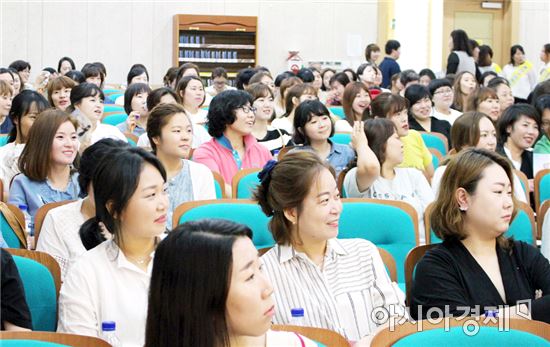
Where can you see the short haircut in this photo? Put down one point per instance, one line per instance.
(511, 115)
(485, 75)
(153, 99)
(92, 70)
(221, 112)
(219, 72)
(9, 71)
(158, 118)
(362, 68)
(427, 72)
(465, 130)
(461, 41)
(67, 59)
(182, 85)
(513, 51)
(283, 76)
(259, 90)
(286, 186)
(478, 96)
(136, 70)
(391, 45)
(408, 76)
(438, 83)
(485, 56)
(388, 104)
(133, 90)
(82, 91)
(378, 131)
(340, 77)
(464, 170)
(258, 76)
(184, 67)
(20, 65)
(306, 75)
(373, 47)
(243, 77)
(495, 82)
(58, 83)
(92, 156)
(21, 106)
(76, 76)
(303, 114)
(35, 160)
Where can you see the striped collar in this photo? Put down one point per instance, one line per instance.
(288, 252)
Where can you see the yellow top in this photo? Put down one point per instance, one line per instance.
(415, 152)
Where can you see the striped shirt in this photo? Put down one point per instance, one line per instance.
(342, 295)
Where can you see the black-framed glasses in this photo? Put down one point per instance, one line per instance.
(247, 109)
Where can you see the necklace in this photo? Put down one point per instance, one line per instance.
(139, 261)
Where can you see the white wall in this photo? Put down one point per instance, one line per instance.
(534, 17)
(121, 33)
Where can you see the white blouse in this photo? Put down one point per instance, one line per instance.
(9, 161)
(103, 285)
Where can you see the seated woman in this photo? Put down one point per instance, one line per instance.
(6, 96)
(137, 74)
(420, 112)
(59, 92)
(337, 83)
(25, 108)
(543, 107)
(356, 104)
(518, 130)
(59, 235)
(170, 133)
(476, 269)
(485, 100)
(338, 283)
(386, 180)
(87, 107)
(416, 154)
(473, 129)
(232, 147)
(111, 281)
(191, 92)
(233, 308)
(441, 92)
(294, 96)
(501, 86)
(464, 84)
(46, 163)
(15, 313)
(269, 136)
(135, 106)
(314, 126)
(287, 81)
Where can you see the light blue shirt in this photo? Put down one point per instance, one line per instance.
(34, 194)
(339, 157)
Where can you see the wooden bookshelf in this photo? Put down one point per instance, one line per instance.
(213, 41)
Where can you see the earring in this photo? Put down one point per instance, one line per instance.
(463, 209)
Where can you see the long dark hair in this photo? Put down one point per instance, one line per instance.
(190, 284)
(21, 106)
(115, 180)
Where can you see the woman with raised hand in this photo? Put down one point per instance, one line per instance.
(135, 106)
(356, 105)
(170, 133)
(110, 282)
(338, 283)
(46, 163)
(386, 180)
(190, 307)
(477, 271)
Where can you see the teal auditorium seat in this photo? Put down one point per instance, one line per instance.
(337, 111)
(40, 293)
(391, 225)
(8, 233)
(486, 336)
(542, 187)
(115, 119)
(113, 108)
(3, 140)
(343, 138)
(29, 343)
(243, 211)
(244, 183)
(432, 140)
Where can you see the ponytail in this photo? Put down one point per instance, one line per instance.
(90, 234)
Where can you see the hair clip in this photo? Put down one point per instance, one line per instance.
(265, 174)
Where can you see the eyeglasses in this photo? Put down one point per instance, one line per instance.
(444, 91)
(247, 109)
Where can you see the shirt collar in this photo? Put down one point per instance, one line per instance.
(224, 141)
(288, 252)
(333, 149)
(119, 259)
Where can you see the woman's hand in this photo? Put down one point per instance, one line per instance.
(358, 137)
(131, 121)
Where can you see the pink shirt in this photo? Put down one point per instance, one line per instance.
(220, 159)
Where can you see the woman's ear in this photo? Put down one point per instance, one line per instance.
(295, 101)
(156, 140)
(291, 214)
(463, 199)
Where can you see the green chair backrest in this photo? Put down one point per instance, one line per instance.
(40, 293)
(9, 234)
(520, 228)
(3, 140)
(485, 336)
(115, 119)
(337, 111)
(113, 108)
(433, 141)
(247, 184)
(343, 138)
(544, 188)
(111, 91)
(386, 226)
(29, 343)
(218, 190)
(248, 214)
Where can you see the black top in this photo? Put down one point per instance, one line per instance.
(449, 275)
(438, 125)
(526, 161)
(14, 305)
(275, 139)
